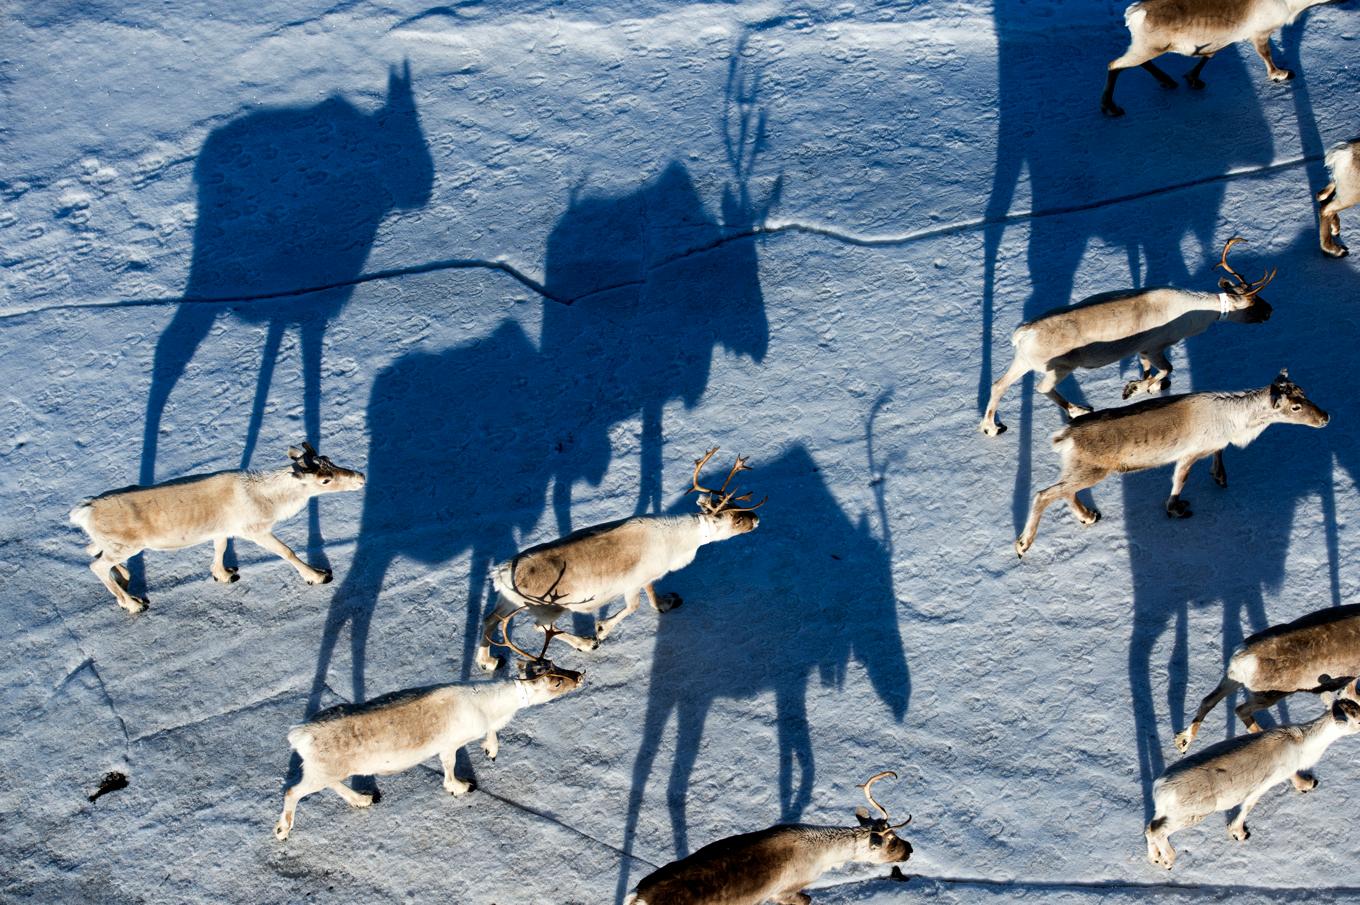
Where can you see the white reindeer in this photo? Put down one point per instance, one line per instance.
(776, 863)
(1181, 429)
(1196, 28)
(588, 568)
(1319, 652)
(1239, 771)
(1343, 164)
(1112, 326)
(199, 508)
(397, 731)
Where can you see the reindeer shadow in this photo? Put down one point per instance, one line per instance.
(1050, 129)
(289, 203)
(642, 287)
(1177, 567)
(816, 591)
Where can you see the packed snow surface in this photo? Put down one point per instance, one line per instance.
(522, 285)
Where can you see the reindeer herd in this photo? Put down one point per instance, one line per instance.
(588, 569)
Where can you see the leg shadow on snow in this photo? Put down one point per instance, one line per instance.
(809, 592)
(643, 288)
(289, 202)
(1053, 141)
(1233, 552)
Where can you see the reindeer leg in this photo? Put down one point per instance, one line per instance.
(1192, 77)
(576, 641)
(605, 627)
(1162, 78)
(990, 426)
(1329, 227)
(665, 603)
(1175, 506)
(104, 567)
(220, 570)
(268, 541)
(1217, 471)
(1048, 386)
(1259, 700)
(1262, 43)
(352, 798)
(452, 784)
(1237, 830)
(491, 745)
(301, 789)
(1225, 688)
(1066, 488)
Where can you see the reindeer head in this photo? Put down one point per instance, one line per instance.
(717, 506)
(1244, 304)
(1344, 706)
(881, 843)
(544, 679)
(1291, 406)
(320, 473)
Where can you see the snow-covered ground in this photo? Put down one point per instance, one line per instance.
(802, 232)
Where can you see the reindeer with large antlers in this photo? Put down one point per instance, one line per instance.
(775, 864)
(1106, 328)
(399, 730)
(588, 568)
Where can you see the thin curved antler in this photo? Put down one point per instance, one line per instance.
(1250, 289)
(549, 633)
(868, 785)
(724, 498)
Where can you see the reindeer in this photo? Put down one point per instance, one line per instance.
(588, 568)
(198, 508)
(1181, 429)
(397, 731)
(1343, 164)
(1238, 771)
(1114, 325)
(775, 864)
(1194, 28)
(1319, 652)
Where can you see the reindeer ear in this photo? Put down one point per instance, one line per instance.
(1283, 376)
(295, 453)
(1225, 284)
(862, 815)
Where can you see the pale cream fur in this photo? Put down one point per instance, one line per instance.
(587, 569)
(201, 508)
(1110, 327)
(1317, 652)
(1343, 164)
(1179, 429)
(400, 730)
(1200, 28)
(1237, 772)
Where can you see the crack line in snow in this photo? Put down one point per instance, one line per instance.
(88, 662)
(252, 705)
(754, 232)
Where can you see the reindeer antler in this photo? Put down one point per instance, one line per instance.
(1250, 288)
(549, 633)
(724, 499)
(868, 784)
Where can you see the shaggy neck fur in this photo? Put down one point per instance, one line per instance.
(286, 492)
(1243, 416)
(835, 845)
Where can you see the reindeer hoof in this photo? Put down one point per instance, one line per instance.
(992, 430)
(667, 602)
(281, 830)
(1195, 82)
(1130, 388)
(1020, 548)
(1221, 480)
(490, 664)
(1110, 108)
(1088, 522)
(324, 579)
(1183, 741)
(1340, 251)
(1239, 833)
(1282, 75)
(1305, 782)
(135, 605)
(1178, 509)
